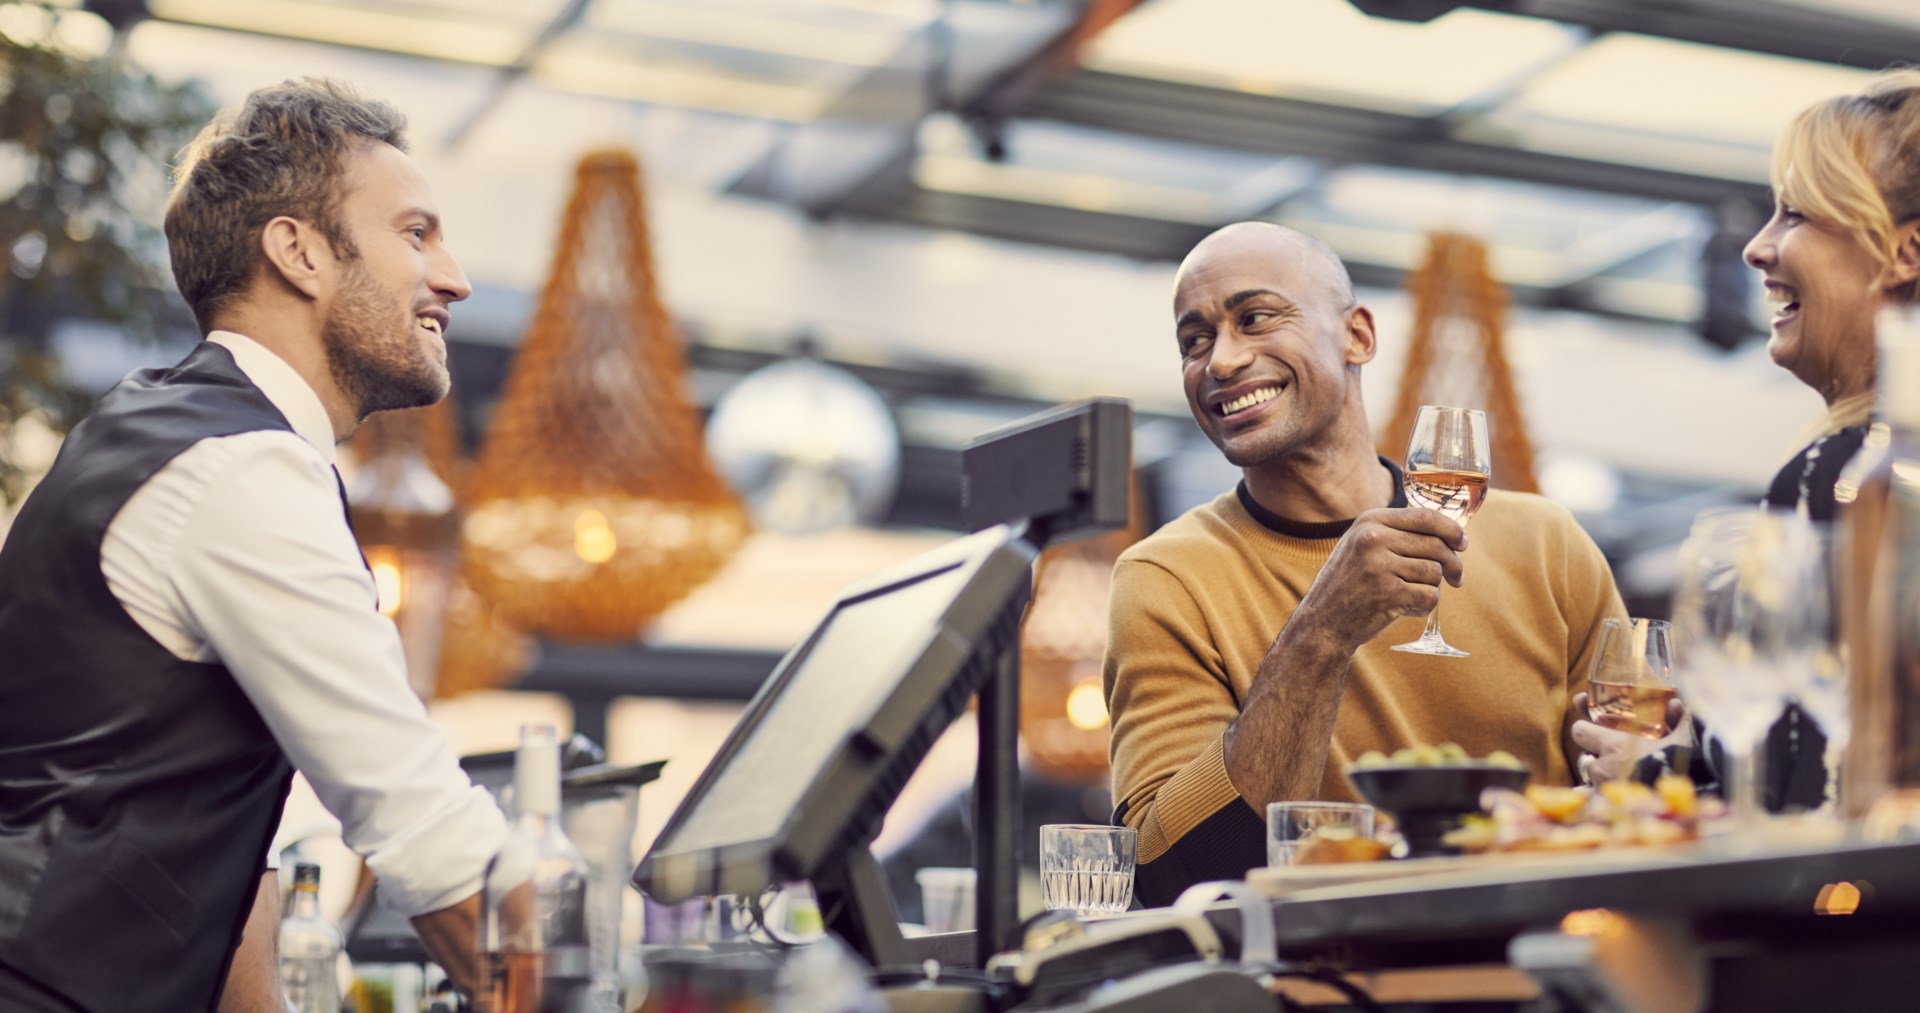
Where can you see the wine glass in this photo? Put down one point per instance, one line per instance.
(1449, 462)
(1744, 614)
(1806, 640)
(1630, 683)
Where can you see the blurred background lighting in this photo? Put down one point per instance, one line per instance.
(1087, 706)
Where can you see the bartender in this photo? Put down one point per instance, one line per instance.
(185, 617)
(1248, 660)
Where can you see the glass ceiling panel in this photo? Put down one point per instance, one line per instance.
(469, 31)
(825, 32)
(1541, 236)
(1108, 172)
(1680, 105)
(1524, 215)
(1326, 50)
(1893, 12)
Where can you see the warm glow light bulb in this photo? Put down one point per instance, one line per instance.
(1087, 707)
(389, 581)
(593, 538)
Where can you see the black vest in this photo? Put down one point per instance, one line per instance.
(138, 792)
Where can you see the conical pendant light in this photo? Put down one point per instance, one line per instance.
(1458, 356)
(405, 487)
(593, 505)
(1063, 706)
(403, 516)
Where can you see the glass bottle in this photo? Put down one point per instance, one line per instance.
(533, 935)
(1879, 558)
(309, 948)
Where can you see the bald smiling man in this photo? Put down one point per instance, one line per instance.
(1249, 658)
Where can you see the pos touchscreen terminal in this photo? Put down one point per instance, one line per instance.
(799, 788)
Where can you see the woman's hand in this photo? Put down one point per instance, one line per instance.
(1609, 754)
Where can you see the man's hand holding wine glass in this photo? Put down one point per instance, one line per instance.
(1389, 564)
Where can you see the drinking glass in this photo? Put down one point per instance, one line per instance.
(1745, 617)
(1630, 682)
(946, 898)
(1820, 682)
(1086, 868)
(1291, 824)
(1449, 463)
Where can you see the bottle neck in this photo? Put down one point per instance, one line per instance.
(306, 902)
(536, 779)
(536, 823)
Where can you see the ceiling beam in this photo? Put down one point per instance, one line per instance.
(1757, 26)
(824, 166)
(1346, 135)
(898, 200)
(563, 22)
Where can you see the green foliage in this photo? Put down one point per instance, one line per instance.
(85, 144)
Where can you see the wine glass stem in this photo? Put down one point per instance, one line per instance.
(1743, 789)
(1432, 630)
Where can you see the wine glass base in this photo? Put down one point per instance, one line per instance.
(1434, 646)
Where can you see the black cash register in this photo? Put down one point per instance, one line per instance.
(800, 787)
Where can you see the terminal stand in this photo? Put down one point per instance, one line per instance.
(996, 822)
(856, 906)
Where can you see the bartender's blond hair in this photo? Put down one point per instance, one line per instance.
(1853, 161)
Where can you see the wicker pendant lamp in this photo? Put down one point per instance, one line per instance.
(593, 505)
(405, 492)
(1063, 705)
(1457, 356)
(403, 516)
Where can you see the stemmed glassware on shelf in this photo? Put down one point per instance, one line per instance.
(1449, 465)
(1751, 619)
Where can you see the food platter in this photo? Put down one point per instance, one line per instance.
(1279, 881)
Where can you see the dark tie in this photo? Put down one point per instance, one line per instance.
(347, 508)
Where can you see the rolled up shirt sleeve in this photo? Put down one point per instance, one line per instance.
(267, 570)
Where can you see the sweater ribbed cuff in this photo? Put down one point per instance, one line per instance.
(1197, 791)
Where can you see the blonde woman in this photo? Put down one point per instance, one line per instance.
(1843, 242)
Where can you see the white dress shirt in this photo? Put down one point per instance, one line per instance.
(238, 551)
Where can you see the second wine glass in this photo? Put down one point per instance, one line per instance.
(1630, 684)
(1449, 465)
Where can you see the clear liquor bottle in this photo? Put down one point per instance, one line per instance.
(309, 948)
(533, 933)
(1879, 562)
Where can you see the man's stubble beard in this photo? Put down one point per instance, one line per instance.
(1273, 443)
(372, 352)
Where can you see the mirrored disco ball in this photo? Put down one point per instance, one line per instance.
(808, 446)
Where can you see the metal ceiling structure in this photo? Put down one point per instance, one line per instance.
(1597, 145)
(930, 112)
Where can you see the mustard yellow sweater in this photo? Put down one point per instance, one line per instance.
(1196, 605)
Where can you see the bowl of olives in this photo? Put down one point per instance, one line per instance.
(1429, 790)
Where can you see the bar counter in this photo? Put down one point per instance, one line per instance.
(1747, 925)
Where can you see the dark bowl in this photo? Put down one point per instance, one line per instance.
(1427, 802)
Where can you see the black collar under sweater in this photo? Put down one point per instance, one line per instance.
(1312, 529)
